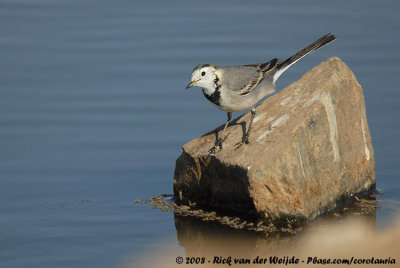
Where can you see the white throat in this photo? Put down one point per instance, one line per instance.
(208, 86)
(208, 90)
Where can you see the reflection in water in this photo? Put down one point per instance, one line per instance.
(351, 235)
(200, 238)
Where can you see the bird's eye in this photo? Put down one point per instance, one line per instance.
(203, 73)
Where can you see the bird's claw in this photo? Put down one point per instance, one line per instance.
(245, 140)
(218, 146)
(214, 150)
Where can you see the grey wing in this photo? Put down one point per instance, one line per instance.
(241, 79)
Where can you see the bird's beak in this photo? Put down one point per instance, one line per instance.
(192, 83)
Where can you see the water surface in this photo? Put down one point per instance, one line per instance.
(93, 111)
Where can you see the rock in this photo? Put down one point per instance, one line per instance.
(310, 150)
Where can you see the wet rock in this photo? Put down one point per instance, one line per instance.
(310, 150)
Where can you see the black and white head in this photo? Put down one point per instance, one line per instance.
(204, 76)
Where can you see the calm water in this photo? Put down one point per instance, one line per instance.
(93, 111)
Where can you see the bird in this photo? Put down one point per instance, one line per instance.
(238, 88)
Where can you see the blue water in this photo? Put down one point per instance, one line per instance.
(93, 111)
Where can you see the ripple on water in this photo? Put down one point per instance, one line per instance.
(76, 203)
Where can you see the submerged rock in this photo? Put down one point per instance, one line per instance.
(310, 149)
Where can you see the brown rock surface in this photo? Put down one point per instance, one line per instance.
(310, 149)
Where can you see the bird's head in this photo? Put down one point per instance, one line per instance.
(203, 76)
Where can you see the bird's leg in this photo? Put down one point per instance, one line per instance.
(253, 114)
(219, 142)
(245, 138)
(222, 138)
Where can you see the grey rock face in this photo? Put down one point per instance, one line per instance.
(310, 149)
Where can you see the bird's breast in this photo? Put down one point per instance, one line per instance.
(213, 97)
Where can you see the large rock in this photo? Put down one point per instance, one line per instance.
(310, 149)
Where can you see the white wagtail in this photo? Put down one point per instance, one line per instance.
(238, 88)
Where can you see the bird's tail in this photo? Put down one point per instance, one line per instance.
(284, 65)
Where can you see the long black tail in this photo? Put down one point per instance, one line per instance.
(284, 65)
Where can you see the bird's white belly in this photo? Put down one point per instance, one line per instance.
(235, 105)
(238, 103)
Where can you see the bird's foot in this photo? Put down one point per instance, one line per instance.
(245, 140)
(218, 146)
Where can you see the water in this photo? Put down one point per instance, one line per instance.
(93, 111)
